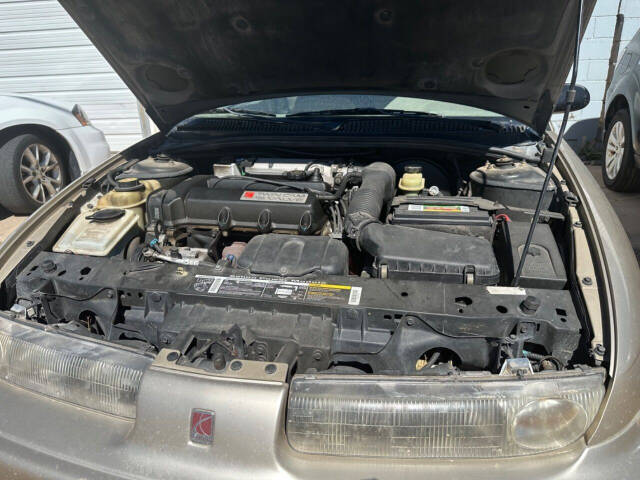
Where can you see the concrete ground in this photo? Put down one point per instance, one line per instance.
(627, 205)
(7, 223)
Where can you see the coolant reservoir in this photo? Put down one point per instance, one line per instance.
(130, 194)
(116, 218)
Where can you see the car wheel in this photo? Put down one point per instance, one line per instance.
(31, 172)
(619, 170)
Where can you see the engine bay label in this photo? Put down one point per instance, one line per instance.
(278, 289)
(439, 208)
(282, 197)
(506, 290)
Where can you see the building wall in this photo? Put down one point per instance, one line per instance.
(43, 52)
(594, 63)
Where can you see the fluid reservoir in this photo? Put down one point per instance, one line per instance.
(108, 226)
(130, 194)
(511, 183)
(412, 180)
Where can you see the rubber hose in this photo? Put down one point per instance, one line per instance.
(365, 207)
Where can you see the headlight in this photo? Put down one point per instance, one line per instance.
(81, 115)
(429, 418)
(76, 371)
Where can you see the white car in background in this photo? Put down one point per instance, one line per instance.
(43, 145)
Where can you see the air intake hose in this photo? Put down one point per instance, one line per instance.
(365, 207)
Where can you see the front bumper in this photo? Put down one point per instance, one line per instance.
(41, 437)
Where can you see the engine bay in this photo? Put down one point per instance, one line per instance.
(327, 264)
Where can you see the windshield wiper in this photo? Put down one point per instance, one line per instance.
(362, 111)
(325, 126)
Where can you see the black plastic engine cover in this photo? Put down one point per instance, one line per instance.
(236, 203)
(294, 255)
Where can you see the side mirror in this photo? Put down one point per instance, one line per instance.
(580, 101)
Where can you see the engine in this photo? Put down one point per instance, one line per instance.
(326, 266)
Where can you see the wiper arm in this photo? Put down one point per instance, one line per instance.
(244, 112)
(362, 111)
(272, 118)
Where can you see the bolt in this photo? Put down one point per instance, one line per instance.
(219, 362)
(270, 369)
(29, 243)
(109, 293)
(599, 349)
(173, 356)
(236, 365)
(410, 322)
(587, 281)
(164, 338)
(48, 266)
(577, 224)
(513, 336)
(317, 355)
(530, 305)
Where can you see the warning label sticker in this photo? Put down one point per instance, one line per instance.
(282, 197)
(286, 290)
(439, 208)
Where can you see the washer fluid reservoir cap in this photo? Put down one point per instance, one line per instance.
(106, 215)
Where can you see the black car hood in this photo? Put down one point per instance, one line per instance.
(181, 57)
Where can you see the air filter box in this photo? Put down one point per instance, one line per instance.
(414, 254)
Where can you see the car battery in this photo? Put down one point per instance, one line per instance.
(452, 218)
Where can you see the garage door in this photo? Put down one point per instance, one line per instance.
(44, 53)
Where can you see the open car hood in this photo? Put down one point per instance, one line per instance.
(183, 57)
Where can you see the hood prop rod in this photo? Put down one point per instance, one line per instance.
(571, 94)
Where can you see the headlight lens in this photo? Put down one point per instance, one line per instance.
(76, 371)
(446, 418)
(549, 422)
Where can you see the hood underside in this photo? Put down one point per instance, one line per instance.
(183, 57)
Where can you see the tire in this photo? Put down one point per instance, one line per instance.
(27, 161)
(619, 171)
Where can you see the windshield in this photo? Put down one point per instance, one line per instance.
(319, 103)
